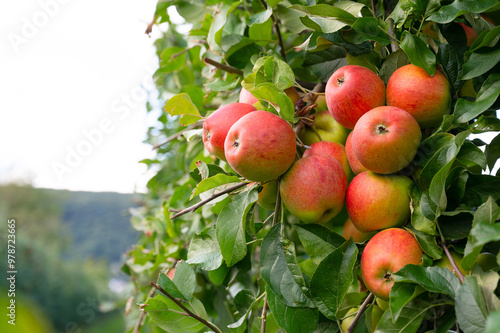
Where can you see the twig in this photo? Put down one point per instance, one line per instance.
(149, 28)
(212, 197)
(277, 28)
(223, 67)
(360, 312)
(188, 312)
(453, 264)
(143, 313)
(178, 134)
(318, 88)
(264, 315)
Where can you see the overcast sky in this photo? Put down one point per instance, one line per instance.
(73, 82)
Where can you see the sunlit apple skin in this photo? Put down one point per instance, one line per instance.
(350, 230)
(427, 98)
(248, 98)
(267, 196)
(386, 139)
(354, 163)
(444, 262)
(260, 146)
(327, 128)
(376, 202)
(333, 149)
(217, 125)
(384, 254)
(352, 91)
(314, 188)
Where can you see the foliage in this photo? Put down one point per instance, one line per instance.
(246, 260)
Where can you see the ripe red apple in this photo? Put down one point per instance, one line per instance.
(384, 254)
(386, 139)
(352, 91)
(267, 196)
(326, 127)
(218, 123)
(260, 146)
(350, 230)
(333, 149)
(354, 163)
(314, 188)
(376, 202)
(427, 98)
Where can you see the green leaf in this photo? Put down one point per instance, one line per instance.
(204, 250)
(451, 62)
(222, 85)
(394, 61)
(169, 286)
(272, 70)
(181, 105)
(204, 171)
(323, 63)
(318, 240)
(367, 29)
(472, 157)
(244, 302)
(185, 279)
(480, 62)
(292, 319)
(214, 37)
(459, 7)
(261, 17)
(479, 188)
(418, 220)
(213, 182)
(277, 98)
(409, 320)
(402, 294)
(469, 307)
(466, 110)
(332, 279)
(486, 38)
(261, 33)
(434, 279)
(492, 152)
(320, 41)
(418, 53)
(324, 18)
(171, 318)
(280, 271)
(493, 322)
(487, 283)
(428, 243)
(230, 227)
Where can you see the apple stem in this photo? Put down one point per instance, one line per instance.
(360, 312)
(186, 310)
(453, 264)
(212, 197)
(223, 67)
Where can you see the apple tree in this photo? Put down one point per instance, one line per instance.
(223, 250)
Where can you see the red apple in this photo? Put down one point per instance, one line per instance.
(386, 139)
(314, 188)
(354, 163)
(260, 146)
(327, 129)
(376, 202)
(384, 254)
(350, 230)
(352, 91)
(218, 123)
(427, 98)
(333, 149)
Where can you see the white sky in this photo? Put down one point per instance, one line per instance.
(78, 66)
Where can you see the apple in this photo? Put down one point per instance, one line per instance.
(260, 146)
(376, 202)
(217, 124)
(248, 98)
(333, 149)
(444, 262)
(386, 139)
(427, 98)
(349, 318)
(314, 188)
(384, 254)
(467, 89)
(326, 127)
(171, 273)
(470, 33)
(431, 29)
(267, 195)
(350, 230)
(351, 91)
(377, 313)
(321, 103)
(487, 261)
(354, 163)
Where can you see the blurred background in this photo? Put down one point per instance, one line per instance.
(75, 84)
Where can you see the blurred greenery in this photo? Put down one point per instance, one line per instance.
(66, 244)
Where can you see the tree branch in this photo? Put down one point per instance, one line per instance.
(264, 314)
(178, 134)
(223, 67)
(149, 28)
(453, 264)
(360, 312)
(188, 312)
(212, 197)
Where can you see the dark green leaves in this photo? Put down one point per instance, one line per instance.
(280, 270)
(332, 279)
(448, 13)
(324, 18)
(204, 250)
(433, 279)
(418, 53)
(318, 240)
(230, 227)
